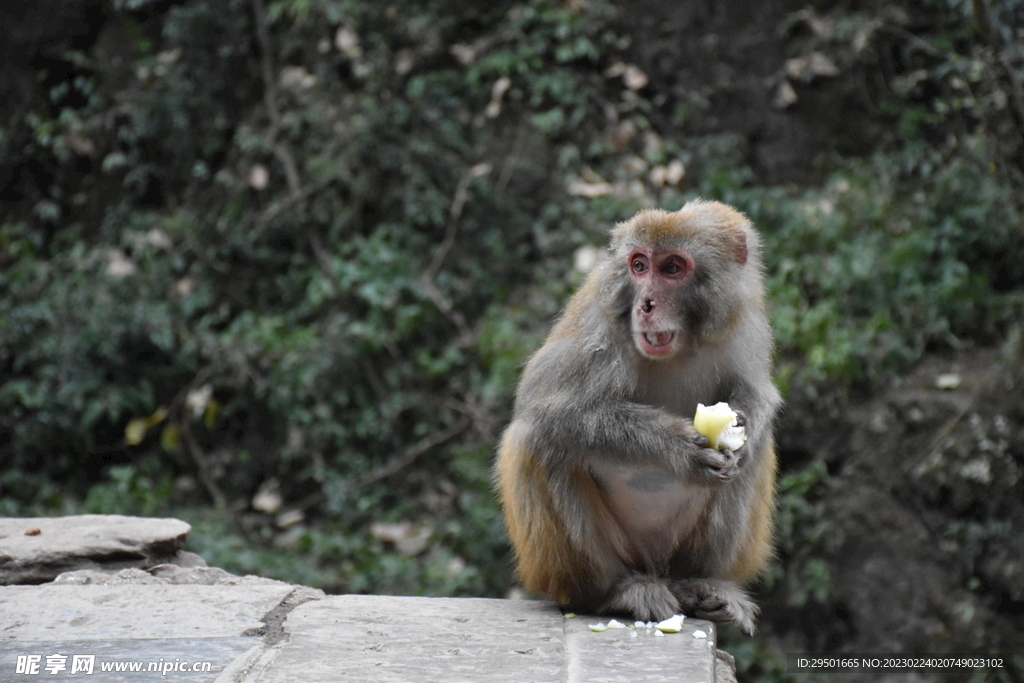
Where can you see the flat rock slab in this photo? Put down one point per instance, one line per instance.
(114, 612)
(379, 638)
(35, 550)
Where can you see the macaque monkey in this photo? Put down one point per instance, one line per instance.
(614, 503)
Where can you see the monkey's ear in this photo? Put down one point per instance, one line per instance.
(737, 241)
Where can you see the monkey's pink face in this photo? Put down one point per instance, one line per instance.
(658, 279)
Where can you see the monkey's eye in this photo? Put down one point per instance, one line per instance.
(639, 266)
(676, 266)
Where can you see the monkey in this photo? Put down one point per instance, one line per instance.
(613, 503)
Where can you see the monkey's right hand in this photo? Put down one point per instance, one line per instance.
(715, 466)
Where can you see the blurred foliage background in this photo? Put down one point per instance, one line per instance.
(273, 266)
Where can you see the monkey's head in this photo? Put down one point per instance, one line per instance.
(683, 276)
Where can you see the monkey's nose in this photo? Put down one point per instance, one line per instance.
(647, 306)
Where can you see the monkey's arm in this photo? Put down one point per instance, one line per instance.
(573, 406)
(748, 385)
(757, 411)
(741, 523)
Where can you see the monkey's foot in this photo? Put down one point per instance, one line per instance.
(716, 600)
(643, 597)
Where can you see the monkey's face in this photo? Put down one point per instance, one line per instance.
(659, 278)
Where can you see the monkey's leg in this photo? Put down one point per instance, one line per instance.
(716, 600)
(568, 545)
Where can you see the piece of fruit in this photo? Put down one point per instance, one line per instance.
(671, 625)
(718, 423)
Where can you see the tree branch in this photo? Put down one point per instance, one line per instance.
(451, 229)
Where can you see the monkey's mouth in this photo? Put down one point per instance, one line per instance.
(656, 343)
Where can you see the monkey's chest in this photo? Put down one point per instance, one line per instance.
(654, 508)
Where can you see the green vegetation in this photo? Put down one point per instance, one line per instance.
(274, 269)
(879, 264)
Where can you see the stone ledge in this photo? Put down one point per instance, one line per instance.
(256, 630)
(280, 633)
